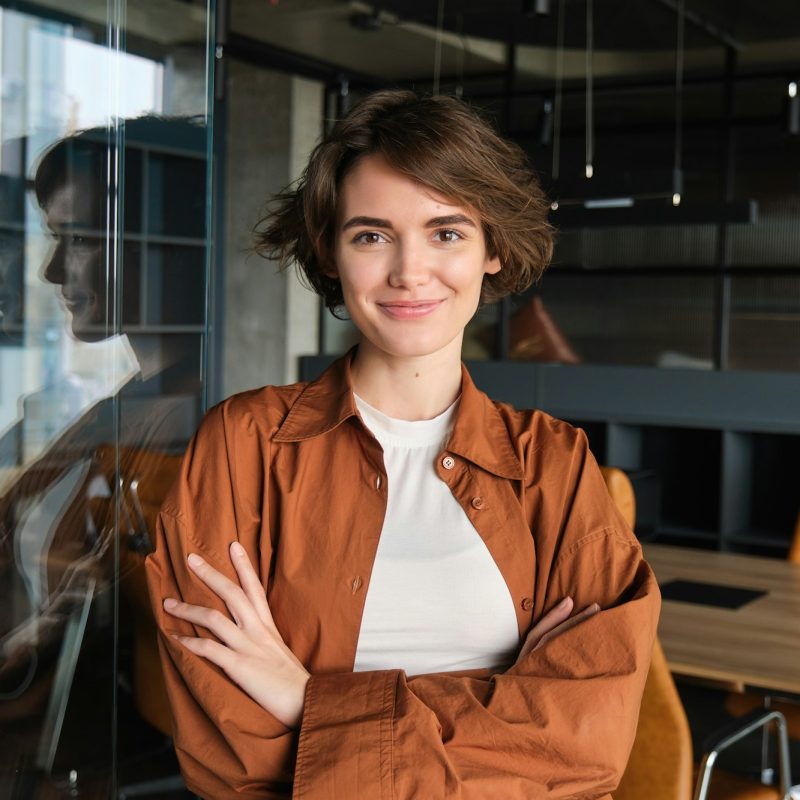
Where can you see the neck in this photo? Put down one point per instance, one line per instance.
(418, 387)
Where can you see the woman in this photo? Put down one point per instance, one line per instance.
(422, 547)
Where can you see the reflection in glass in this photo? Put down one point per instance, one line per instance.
(101, 342)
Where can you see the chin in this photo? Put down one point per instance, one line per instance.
(88, 330)
(415, 346)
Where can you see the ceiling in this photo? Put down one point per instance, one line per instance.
(396, 39)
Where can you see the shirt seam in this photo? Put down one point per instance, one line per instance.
(387, 722)
(305, 724)
(592, 537)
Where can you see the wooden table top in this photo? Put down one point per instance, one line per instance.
(757, 645)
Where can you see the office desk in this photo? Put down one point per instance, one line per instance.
(757, 645)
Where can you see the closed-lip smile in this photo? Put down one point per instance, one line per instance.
(409, 309)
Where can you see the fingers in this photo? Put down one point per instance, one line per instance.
(550, 620)
(554, 623)
(553, 618)
(232, 595)
(215, 621)
(251, 584)
(207, 648)
(587, 612)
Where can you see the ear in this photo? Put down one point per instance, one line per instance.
(330, 271)
(493, 265)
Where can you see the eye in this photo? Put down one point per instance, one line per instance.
(448, 235)
(369, 237)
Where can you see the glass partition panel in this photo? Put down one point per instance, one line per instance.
(104, 243)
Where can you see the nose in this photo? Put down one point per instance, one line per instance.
(409, 267)
(54, 271)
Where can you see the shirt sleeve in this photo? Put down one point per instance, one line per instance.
(558, 724)
(228, 746)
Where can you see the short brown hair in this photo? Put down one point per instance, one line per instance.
(441, 143)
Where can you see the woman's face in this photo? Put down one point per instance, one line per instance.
(77, 264)
(411, 263)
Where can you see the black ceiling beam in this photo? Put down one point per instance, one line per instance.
(263, 54)
(775, 121)
(660, 84)
(578, 216)
(709, 28)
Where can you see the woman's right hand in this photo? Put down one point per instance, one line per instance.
(554, 623)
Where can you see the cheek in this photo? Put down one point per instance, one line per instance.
(86, 267)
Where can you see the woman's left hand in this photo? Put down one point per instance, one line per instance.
(250, 649)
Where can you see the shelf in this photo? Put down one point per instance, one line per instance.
(679, 531)
(759, 539)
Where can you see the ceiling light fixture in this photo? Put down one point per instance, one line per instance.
(677, 166)
(793, 118)
(546, 123)
(531, 7)
(589, 88)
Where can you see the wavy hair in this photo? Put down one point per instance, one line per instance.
(444, 145)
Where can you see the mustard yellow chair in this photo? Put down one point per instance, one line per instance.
(621, 490)
(660, 765)
(141, 479)
(142, 482)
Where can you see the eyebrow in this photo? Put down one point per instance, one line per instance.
(435, 222)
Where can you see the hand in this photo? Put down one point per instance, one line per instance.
(250, 650)
(554, 623)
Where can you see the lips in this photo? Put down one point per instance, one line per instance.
(76, 303)
(410, 309)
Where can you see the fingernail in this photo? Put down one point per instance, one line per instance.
(595, 608)
(564, 603)
(237, 549)
(194, 560)
(170, 602)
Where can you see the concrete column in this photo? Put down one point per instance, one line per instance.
(272, 122)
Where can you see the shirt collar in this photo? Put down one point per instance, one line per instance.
(479, 433)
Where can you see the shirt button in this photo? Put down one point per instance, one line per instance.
(356, 583)
(477, 502)
(448, 462)
(527, 603)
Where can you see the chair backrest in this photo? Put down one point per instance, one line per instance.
(621, 490)
(660, 765)
(794, 550)
(146, 477)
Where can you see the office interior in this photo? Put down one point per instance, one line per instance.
(141, 143)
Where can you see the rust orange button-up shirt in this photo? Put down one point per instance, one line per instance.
(292, 473)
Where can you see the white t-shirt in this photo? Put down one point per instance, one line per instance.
(436, 601)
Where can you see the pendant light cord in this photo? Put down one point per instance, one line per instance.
(437, 52)
(589, 88)
(558, 93)
(679, 65)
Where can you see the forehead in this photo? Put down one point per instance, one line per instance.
(373, 181)
(73, 203)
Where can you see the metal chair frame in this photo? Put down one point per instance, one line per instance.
(760, 719)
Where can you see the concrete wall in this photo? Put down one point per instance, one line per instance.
(272, 122)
